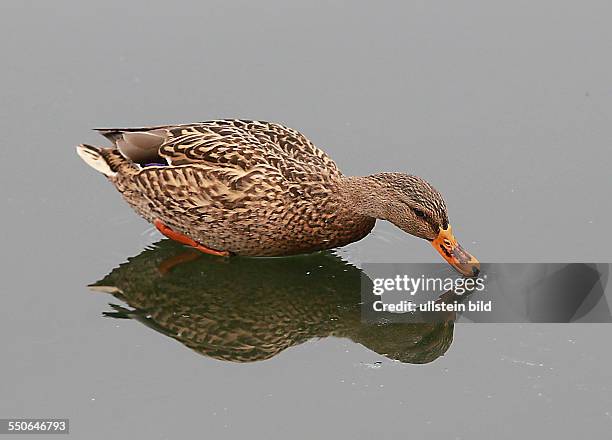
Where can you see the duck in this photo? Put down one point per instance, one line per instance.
(261, 189)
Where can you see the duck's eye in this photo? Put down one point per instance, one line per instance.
(419, 213)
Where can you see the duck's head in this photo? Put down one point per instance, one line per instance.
(416, 207)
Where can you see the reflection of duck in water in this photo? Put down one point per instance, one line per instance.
(246, 309)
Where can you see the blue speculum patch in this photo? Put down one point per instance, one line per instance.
(155, 164)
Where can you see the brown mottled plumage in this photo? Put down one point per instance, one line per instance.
(251, 309)
(257, 188)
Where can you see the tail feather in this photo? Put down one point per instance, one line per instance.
(94, 157)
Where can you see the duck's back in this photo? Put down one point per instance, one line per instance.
(229, 143)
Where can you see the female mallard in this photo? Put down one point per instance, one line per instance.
(261, 189)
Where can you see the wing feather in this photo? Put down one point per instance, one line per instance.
(239, 144)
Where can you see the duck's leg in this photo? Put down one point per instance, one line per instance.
(177, 236)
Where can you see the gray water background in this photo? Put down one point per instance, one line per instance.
(504, 106)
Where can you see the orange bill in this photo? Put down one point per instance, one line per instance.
(451, 251)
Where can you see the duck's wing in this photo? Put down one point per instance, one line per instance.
(238, 144)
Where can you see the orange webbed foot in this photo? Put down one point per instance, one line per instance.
(177, 236)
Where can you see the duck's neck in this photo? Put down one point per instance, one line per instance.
(364, 195)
